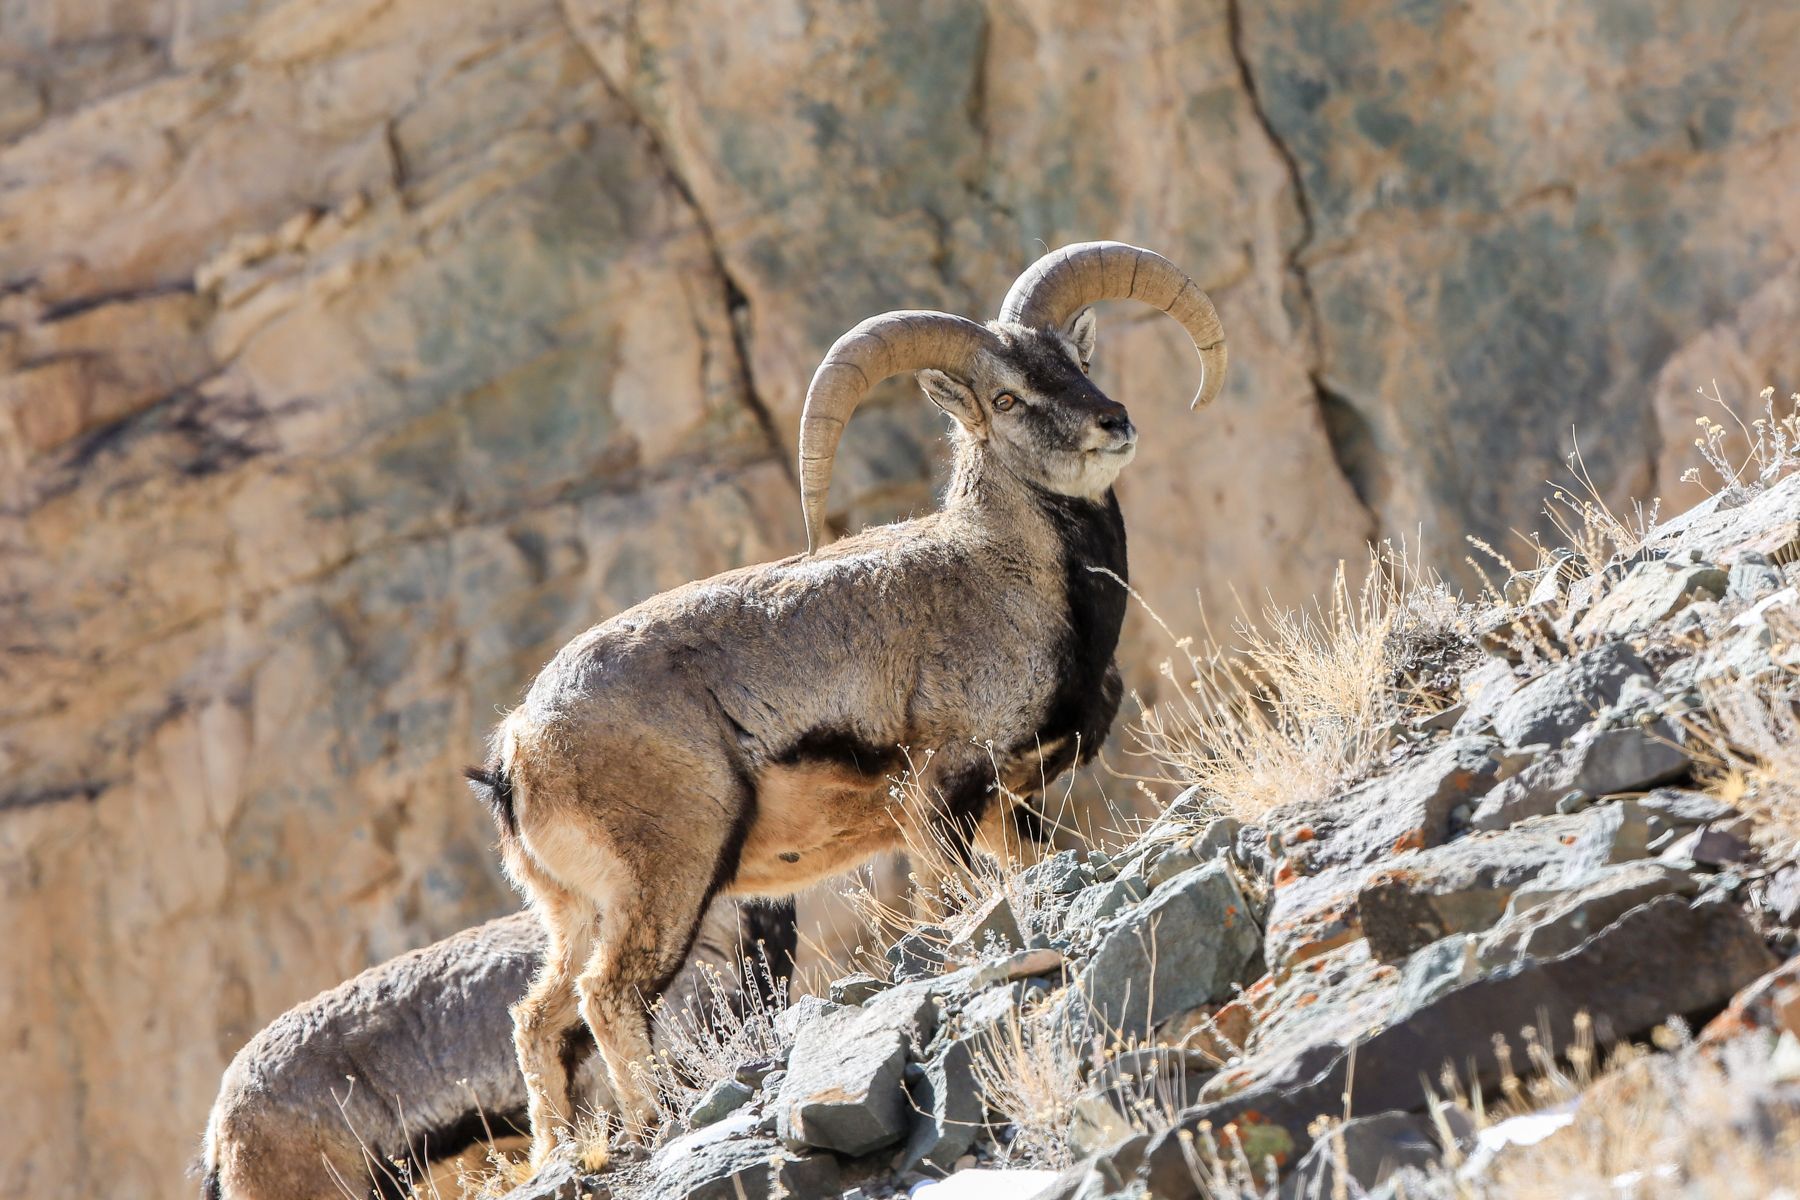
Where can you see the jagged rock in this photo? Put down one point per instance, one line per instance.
(920, 954)
(1062, 874)
(1407, 808)
(947, 1100)
(1300, 1020)
(1543, 922)
(1255, 851)
(801, 1013)
(1750, 648)
(1185, 945)
(1362, 1154)
(1095, 904)
(911, 1009)
(856, 989)
(1599, 764)
(1680, 807)
(1334, 850)
(1731, 524)
(1770, 1004)
(1171, 861)
(718, 1102)
(1783, 895)
(1633, 974)
(561, 1179)
(987, 1015)
(1707, 847)
(740, 1168)
(990, 929)
(1314, 914)
(1219, 837)
(1651, 592)
(1466, 885)
(1101, 864)
(1021, 964)
(1439, 967)
(1484, 690)
(754, 1074)
(1217, 1032)
(1752, 577)
(844, 1087)
(1549, 709)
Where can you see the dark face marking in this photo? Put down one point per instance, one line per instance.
(1076, 404)
(1064, 433)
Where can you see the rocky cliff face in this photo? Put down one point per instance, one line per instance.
(355, 353)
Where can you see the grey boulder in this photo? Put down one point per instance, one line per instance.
(844, 1089)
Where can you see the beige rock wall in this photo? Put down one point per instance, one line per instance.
(355, 353)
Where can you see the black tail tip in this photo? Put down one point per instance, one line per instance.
(494, 786)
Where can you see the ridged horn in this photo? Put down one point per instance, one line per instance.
(1058, 285)
(876, 349)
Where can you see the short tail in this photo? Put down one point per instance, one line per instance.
(495, 788)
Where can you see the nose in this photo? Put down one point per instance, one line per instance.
(1114, 419)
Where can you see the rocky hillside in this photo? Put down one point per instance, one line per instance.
(356, 353)
(1541, 939)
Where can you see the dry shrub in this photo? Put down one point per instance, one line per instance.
(1301, 703)
(1656, 1126)
(1750, 732)
(1599, 538)
(947, 887)
(1773, 444)
(730, 1024)
(1030, 1073)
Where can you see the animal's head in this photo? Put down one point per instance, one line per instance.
(1020, 385)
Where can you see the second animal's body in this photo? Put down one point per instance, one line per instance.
(738, 735)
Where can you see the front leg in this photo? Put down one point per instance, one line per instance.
(952, 805)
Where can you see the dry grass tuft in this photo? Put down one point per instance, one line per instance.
(731, 1023)
(1653, 1126)
(1773, 440)
(1302, 703)
(1750, 730)
(1030, 1073)
(947, 888)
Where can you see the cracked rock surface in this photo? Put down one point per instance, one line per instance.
(354, 355)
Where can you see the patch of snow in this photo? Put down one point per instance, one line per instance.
(978, 1183)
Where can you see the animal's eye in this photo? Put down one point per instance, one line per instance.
(1004, 401)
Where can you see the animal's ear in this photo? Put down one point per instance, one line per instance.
(956, 398)
(1084, 330)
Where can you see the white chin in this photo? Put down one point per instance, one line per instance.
(1100, 470)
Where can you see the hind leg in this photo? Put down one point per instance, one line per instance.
(543, 1020)
(644, 939)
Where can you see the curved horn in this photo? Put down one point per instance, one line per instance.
(874, 350)
(1057, 285)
